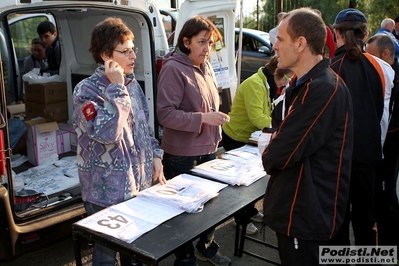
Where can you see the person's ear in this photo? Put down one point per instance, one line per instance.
(186, 42)
(366, 36)
(104, 57)
(301, 43)
(385, 55)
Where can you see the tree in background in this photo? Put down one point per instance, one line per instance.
(375, 11)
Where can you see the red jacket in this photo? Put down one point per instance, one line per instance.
(330, 43)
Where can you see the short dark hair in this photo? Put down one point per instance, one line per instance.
(37, 40)
(106, 35)
(384, 42)
(193, 27)
(46, 26)
(397, 19)
(307, 23)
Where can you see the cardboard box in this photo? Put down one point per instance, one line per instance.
(72, 134)
(46, 93)
(63, 141)
(41, 141)
(57, 111)
(16, 109)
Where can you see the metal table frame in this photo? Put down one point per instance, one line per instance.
(160, 242)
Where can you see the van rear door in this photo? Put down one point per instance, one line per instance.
(27, 230)
(222, 13)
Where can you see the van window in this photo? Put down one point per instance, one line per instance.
(23, 30)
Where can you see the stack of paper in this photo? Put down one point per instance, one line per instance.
(130, 219)
(186, 192)
(52, 178)
(247, 152)
(255, 136)
(242, 166)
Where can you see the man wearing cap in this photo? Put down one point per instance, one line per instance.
(309, 156)
(369, 80)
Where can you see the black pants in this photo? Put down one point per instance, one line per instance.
(304, 253)
(360, 208)
(229, 143)
(386, 201)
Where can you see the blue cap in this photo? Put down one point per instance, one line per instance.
(350, 14)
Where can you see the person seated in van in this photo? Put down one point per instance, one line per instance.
(37, 59)
(16, 134)
(48, 35)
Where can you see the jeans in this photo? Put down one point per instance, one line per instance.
(174, 166)
(16, 128)
(103, 256)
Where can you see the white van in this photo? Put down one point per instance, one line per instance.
(24, 231)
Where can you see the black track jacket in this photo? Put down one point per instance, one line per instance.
(310, 158)
(367, 91)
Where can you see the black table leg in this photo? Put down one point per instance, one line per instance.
(76, 248)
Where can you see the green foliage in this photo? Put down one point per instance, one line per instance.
(375, 11)
(22, 34)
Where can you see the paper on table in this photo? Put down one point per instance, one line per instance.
(184, 191)
(233, 172)
(119, 224)
(130, 219)
(246, 152)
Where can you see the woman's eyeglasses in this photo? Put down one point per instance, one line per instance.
(128, 52)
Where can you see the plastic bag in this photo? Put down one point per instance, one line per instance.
(34, 77)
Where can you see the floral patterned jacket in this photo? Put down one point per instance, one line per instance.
(116, 145)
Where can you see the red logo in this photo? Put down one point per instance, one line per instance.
(89, 111)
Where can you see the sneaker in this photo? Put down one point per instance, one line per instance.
(251, 229)
(218, 259)
(257, 218)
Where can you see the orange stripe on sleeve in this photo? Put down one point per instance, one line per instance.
(379, 70)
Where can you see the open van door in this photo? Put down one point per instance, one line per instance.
(222, 13)
(38, 205)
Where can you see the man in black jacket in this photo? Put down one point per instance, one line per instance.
(309, 156)
(369, 80)
(48, 35)
(386, 200)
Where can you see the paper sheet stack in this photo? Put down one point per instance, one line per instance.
(241, 166)
(153, 206)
